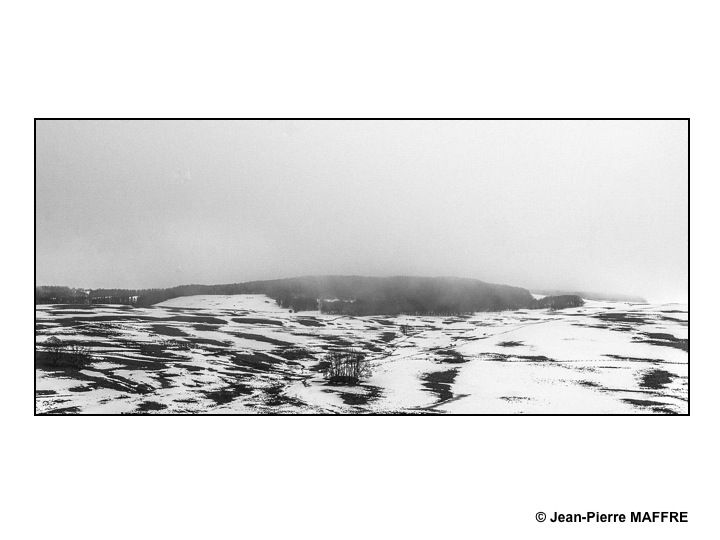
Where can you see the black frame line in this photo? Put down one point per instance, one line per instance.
(35, 413)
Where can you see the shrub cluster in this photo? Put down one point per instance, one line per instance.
(346, 367)
(67, 355)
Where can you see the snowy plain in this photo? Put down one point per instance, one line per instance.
(245, 354)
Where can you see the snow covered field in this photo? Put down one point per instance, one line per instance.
(244, 354)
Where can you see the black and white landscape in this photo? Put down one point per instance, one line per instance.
(324, 249)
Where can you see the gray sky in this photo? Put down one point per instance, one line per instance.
(598, 206)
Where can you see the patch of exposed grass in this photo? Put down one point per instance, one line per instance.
(294, 353)
(257, 361)
(261, 338)
(81, 388)
(510, 344)
(358, 400)
(229, 393)
(149, 406)
(622, 317)
(644, 403)
(665, 340)
(656, 379)
(167, 330)
(450, 356)
(252, 320)
(198, 319)
(310, 322)
(63, 410)
(440, 383)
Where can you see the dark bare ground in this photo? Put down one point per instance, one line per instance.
(294, 353)
(498, 357)
(257, 361)
(63, 312)
(101, 330)
(674, 320)
(167, 330)
(336, 340)
(204, 327)
(155, 350)
(197, 319)
(41, 326)
(110, 381)
(165, 379)
(622, 317)
(532, 358)
(153, 353)
(452, 321)
(251, 320)
(656, 406)
(656, 379)
(510, 343)
(373, 393)
(134, 362)
(209, 342)
(276, 398)
(372, 347)
(193, 369)
(229, 393)
(601, 326)
(665, 340)
(63, 410)
(450, 356)
(258, 337)
(82, 388)
(123, 318)
(634, 359)
(148, 406)
(61, 307)
(118, 318)
(311, 322)
(343, 380)
(663, 410)
(440, 383)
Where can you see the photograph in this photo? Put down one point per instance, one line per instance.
(360, 270)
(382, 266)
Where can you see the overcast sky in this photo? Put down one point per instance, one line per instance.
(597, 206)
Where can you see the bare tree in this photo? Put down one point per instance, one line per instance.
(347, 367)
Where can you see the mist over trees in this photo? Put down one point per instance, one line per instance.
(342, 295)
(594, 295)
(560, 302)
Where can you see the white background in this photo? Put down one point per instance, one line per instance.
(354, 477)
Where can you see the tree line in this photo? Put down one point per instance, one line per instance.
(344, 295)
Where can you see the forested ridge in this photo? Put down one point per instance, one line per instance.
(351, 295)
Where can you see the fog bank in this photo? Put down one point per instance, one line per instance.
(577, 205)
